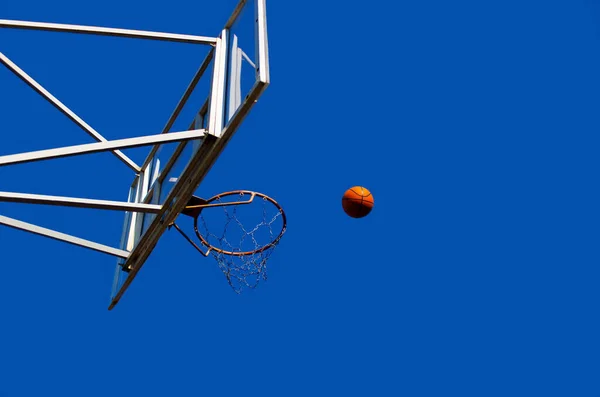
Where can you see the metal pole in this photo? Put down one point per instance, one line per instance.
(101, 31)
(216, 112)
(28, 227)
(27, 198)
(100, 147)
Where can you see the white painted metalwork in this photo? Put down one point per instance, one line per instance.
(263, 42)
(28, 227)
(149, 209)
(27, 198)
(235, 77)
(217, 99)
(101, 31)
(100, 147)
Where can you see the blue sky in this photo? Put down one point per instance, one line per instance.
(474, 124)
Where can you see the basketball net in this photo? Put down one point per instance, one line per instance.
(251, 230)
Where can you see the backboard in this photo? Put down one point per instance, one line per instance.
(238, 69)
(229, 81)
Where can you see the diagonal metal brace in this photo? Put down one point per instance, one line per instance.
(62, 108)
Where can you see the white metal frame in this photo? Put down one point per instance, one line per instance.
(28, 227)
(136, 34)
(210, 135)
(102, 143)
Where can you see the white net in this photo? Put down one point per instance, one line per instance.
(250, 227)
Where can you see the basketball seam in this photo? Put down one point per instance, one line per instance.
(355, 192)
(358, 198)
(359, 211)
(361, 194)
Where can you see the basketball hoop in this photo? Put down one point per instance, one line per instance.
(252, 230)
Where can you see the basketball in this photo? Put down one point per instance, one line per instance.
(357, 202)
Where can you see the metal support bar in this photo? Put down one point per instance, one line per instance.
(61, 107)
(28, 227)
(136, 34)
(235, 14)
(216, 113)
(189, 240)
(262, 46)
(27, 198)
(100, 147)
(247, 58)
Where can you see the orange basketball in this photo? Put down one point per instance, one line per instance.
(357, 202)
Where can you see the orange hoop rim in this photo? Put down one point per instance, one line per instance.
(210, 203)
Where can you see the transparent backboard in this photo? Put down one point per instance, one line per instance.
(228, 83)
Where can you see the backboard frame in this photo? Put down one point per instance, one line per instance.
(209, 133)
